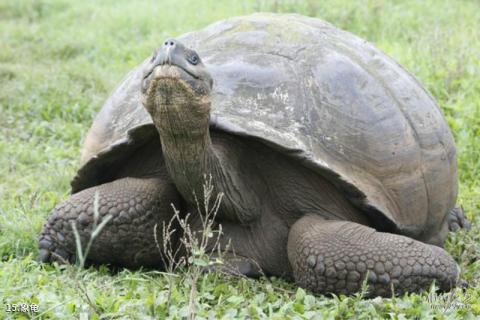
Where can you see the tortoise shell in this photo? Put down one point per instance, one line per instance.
(318, 94)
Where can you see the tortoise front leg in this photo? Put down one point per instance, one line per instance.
(135, 204)
(337, 256)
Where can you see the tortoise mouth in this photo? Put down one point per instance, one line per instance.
(166, 71)
(168, 68)
(169, 85)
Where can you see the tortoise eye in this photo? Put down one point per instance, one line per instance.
(193, 58)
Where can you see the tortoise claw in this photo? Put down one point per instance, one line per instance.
(50, 252)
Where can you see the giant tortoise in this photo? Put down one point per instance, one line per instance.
(336, 164)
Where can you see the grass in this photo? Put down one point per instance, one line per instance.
(59, 60)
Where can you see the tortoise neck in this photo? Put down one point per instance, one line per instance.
(186, 145)
(191, 157)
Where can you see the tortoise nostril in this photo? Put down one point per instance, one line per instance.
(169, 43)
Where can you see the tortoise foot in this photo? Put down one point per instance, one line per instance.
(338, 256)
(458, 220)
(123, 232)
(51, 251)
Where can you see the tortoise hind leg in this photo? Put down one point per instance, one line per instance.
(337, 256)
(135, 204)
(454, 221)
(457, 219)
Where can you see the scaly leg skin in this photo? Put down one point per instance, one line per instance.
(337, 256)
(457, 219)
(127, 240)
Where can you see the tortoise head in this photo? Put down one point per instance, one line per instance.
(175, 78)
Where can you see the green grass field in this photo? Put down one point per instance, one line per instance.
(59, 60)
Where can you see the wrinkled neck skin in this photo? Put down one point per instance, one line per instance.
(182, 120)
